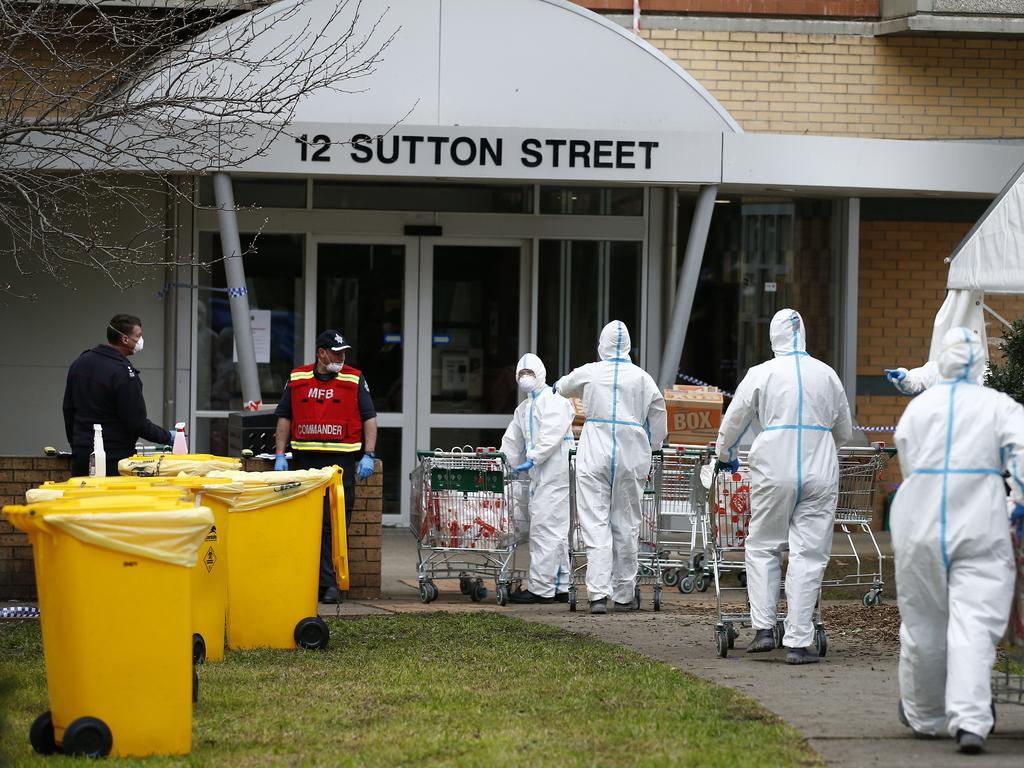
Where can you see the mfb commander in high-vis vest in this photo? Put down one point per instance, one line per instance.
(327, 414)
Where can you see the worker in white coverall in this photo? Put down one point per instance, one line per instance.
(801, 409)
(951, 540)
(625, 420)
(538, 441)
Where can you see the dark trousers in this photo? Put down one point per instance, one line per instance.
(80, 461)
(347, 462)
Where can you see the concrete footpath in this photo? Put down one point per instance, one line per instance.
(844, 706)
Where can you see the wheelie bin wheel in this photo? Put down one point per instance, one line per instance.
(312, 633)
(40, 734)
(87, 737)
(198, 649)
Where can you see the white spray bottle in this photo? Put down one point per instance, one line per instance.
(98, 457)
(180, 444)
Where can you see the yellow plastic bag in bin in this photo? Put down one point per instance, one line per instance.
(171, 464)
(261, 489)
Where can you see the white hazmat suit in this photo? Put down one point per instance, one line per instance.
(951, 540)
(801, 409)
(541, 432)
(625, 418)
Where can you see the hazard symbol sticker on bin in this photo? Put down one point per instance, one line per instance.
(210, 558)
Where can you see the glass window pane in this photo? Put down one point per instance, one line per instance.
(763, 254)
(360, 290)
(211, 436)
(273, 277)
(475, 342)
(261, 193)
(592, 201)
(394, 196)
(389, 451)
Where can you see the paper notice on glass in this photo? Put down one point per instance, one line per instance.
(259, 321)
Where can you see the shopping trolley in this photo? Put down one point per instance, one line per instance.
(681, 542)
(469, 513)
(1008, 675)
(727, 522)
(859, 472)
(649, 565)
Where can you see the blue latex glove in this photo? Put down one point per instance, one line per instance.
(366, 467)
(526, 466)
(728, 466)
(895, 374)
(280, 463)
(1017, 520)
(554, 387)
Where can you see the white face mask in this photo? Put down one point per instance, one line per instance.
(334, 367)
(138, 346)
(527, 383)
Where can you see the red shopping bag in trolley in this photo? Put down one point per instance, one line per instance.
(734, 512)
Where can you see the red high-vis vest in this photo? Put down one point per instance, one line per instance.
(325, 414)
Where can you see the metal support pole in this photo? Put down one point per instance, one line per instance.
(170, 304)
(238, 297)
(687, 287)
(851, 292)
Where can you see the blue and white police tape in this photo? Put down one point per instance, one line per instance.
(19, 612)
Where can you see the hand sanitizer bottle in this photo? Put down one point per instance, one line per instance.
(98, 457)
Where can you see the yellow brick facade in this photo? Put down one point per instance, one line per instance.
(900, 87)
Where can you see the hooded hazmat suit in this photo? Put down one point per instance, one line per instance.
(801, 409)
(951, 540)
(541, 431)
(625, 418)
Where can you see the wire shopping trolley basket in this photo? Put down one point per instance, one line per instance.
(681, 539)
(468, 514)
(649, 566)
(727, 524)
(860, 470)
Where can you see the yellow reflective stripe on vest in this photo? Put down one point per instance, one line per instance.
(347, 377)
(303, 445)
(300, 375)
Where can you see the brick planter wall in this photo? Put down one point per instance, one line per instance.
(18, 474)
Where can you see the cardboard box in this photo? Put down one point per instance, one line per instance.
(694, 414)
(579, 416)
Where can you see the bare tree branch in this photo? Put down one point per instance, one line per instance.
(169, 89)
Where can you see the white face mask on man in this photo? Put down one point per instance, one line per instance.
(527, 383)
(138, 346)
(334, 367)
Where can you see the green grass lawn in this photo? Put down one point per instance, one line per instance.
(439, 689)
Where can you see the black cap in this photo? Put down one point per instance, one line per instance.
(332, 340)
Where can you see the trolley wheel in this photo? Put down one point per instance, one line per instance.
(502, 594)
(198, 649)
(731, 634)
(657, 598)
(195, 685)
(427, 591)
(872, 598)
(780, 632)
(40, 734)
(741, 577)
(821, 641)
(671, 577)
(687, 584)
(722, 642)
(572, 601)
(479, 591)
(465, 583)
(87, 737)
(636, 596)
(703, 583)
(312, 633)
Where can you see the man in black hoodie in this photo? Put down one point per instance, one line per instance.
(105, 388)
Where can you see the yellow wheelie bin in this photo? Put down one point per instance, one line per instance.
(113, 575)
(174, 464)
(274, 550)
(209, 578)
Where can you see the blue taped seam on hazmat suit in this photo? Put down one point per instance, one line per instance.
(625, 418)
(951, 540)
(800, 407)
(541, 430)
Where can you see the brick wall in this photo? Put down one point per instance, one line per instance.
(809, 8)
(898, 87)
(17, 475)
